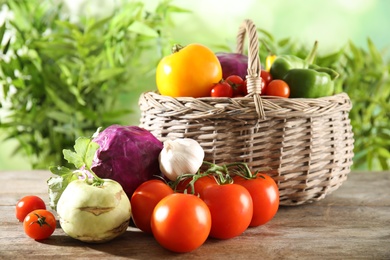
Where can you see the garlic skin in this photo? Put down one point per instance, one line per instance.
(180, 156)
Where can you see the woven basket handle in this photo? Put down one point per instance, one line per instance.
(254, 68)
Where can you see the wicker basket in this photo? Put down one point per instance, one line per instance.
(306, 144)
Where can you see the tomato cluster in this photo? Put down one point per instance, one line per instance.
(232, 86)
(181, 215)
(235, 86)
(38, 223)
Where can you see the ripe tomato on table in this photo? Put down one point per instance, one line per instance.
(265, 196)
(190, 71)
(27, 204)
(144, 199)
(181, 222)
(39, 224)
(231, 209)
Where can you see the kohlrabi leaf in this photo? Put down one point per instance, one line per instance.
(57, 184)
(85, 150)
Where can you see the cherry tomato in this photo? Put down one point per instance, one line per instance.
(190, 71)
(39, 224)
(231, 209)
(144, 199)
(222, 89)
(238, 85)
(27, 204)
(278, 87)
(181, 222)
(266, 78)
(265, 197)
(199, 185)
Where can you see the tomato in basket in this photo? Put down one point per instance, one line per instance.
(222, 89)
(278, 87)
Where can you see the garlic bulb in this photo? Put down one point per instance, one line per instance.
(180, 156)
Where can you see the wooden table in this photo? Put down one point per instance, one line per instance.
(351, 223)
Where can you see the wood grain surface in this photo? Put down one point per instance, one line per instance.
(351, 223)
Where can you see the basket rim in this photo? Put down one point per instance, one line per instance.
(208, 107)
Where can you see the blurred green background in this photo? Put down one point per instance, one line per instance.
(214, 23)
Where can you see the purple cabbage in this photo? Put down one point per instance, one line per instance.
(128, 155)
(233, 64)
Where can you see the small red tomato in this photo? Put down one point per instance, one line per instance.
(181, 222)
(222, 89)
(39, 224)
(27, 204)
(278, 87)
(238, 85)
(144, 199)
(266, 78)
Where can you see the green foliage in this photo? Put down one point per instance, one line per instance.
(61, 80)
(364, 76)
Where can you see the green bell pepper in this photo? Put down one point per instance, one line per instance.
(312, 82)
(283, 63)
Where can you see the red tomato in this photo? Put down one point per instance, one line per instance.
(143, 201)
(181, 222)
(231, 209)
(278, 87)
(266, 78)
(39, 224)
(222, 89)
(238, 85)
(265, 197)
(27, 204)
(199, 184)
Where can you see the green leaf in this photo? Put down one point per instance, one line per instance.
(99, 24)
(61, 104)
(59, 116)
(58, 184)
(382, 152)
(2, 31)
(73, 158)
(6, 47)
(74, 90)
(60, 170)
(374, 53)
(266, 33)
(106, 74)
(284, 42)
(85, 150)
(142, 29)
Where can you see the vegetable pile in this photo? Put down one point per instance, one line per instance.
(219, 201)
(224, 75)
